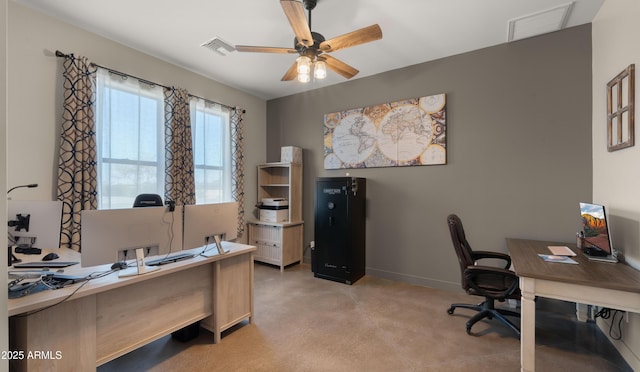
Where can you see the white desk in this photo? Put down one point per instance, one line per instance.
(110, 316)
(616, 286)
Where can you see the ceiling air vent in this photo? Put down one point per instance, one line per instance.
(539, 23)
(219, 46)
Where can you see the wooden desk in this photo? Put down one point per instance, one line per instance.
(615, 286)
(110, 316)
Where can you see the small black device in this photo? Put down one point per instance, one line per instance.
(69, 279)
(20, 223)
(120, 265)
(595, 251)
(28, 250)
(50, 257)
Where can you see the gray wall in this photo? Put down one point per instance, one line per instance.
(519, 153)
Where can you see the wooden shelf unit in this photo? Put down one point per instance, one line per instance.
(279, 243)
(282, 180)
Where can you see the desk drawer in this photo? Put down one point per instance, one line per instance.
(268, 252)
(261, 234)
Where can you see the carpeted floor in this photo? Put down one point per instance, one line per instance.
(302, 323)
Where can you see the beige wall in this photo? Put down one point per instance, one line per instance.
(519, 153)
(30, 128)
(35, 95)
(4, 330)
(616, 180)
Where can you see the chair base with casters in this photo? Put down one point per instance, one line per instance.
(487, 309)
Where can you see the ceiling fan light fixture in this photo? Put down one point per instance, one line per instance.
(304, 77)
(304, 65)
(312, 46)
(320, 70)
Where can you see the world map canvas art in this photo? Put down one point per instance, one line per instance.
(404, 133)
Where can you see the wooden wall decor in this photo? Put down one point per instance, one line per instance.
(620, 110)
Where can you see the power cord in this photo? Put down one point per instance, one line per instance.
(170, 234)
(209, 244)
(606, 313)
(51, 285)
(214, 241)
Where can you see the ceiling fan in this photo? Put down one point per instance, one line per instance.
(313, 47)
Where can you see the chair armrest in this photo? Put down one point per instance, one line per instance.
(482, 270)
(493, 281)
(478, 255)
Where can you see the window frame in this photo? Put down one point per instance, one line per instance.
(226, 190)
(106, 81)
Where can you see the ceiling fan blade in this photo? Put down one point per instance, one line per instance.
(262, 49)
(292, 73)
(294, 11)
(361, 36)
(338, 66)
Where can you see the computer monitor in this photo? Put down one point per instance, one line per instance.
(113, 235)
(595, 227)
(35, 223)
(204, 223)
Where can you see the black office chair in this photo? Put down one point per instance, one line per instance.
(492, 283)
(147, 200)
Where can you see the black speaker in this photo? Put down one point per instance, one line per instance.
(339, 233)
(595, 251)
(187, 333)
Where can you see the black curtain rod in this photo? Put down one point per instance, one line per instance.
(63, 55)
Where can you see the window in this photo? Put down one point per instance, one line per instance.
(211, 133)
(130, 140)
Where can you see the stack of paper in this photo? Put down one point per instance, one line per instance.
(561, 250)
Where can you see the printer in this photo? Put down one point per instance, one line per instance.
(274, 209)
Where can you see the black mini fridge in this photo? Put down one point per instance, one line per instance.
(339, 234)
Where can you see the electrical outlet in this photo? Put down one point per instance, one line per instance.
(312, 244)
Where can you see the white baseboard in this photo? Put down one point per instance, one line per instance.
(417, 280)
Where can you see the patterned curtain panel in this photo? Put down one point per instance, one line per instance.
(179, 181)
(77, 170)
(237, 163)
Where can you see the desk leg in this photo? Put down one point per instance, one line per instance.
(233, 292)
(217, 302)
(583, 312)
(527, 325)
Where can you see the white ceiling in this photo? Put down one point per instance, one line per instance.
(414, 31)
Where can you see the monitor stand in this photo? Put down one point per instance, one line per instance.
(11, 259)
(218, 243)
(140, 267)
